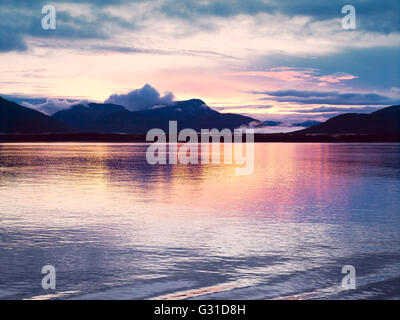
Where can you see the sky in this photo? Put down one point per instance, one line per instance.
(269, 59)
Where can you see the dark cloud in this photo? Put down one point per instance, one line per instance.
(40, 3)
(126, 49)
(22, 18)
(141, 98)
(338, 109)
(10, 41)
(223, 8)
(297, 93)
(232, 108)
(327, 97)
(380, 16)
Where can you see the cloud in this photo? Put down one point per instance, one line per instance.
(336, 77)
(143, 98)
(105, 19)
(376, 67)
(20, 20)
(338, 109)
(52, 105)
(10, 42)
(304, 75)
(328, 97)
(242, 107)
(376, 16)
(146, 97)
(127, 49)
(277, 129)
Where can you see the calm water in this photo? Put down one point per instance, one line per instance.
(115, 227)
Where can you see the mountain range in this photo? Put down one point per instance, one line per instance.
(306, 124)
(384, 121)
(194, 113)
(112, 118)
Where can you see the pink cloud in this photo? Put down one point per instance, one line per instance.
(297, 74)
(337, 77)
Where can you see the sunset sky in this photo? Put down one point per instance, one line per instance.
(270, 59)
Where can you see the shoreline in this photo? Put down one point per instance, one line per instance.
(258, 138)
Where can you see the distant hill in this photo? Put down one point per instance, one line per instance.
(86, 118)
(17, 119)
(306, 124)
(384, 121)
(271, 123)
(109, 118)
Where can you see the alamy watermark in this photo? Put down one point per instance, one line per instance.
(349, 20)
(349, 280)
(184, 147)
(49, 21)
(49, 280)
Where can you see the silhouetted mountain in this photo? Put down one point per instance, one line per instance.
(384, 121)
(179, 111)
(271, 123)
(306, 124)
(85, 118)
(109, 118)
(18, 119)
